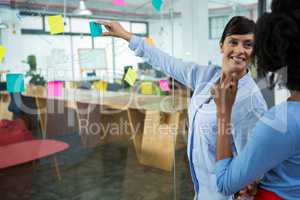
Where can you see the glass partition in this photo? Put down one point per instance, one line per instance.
(112, 131)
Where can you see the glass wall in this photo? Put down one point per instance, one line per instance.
(99, 121)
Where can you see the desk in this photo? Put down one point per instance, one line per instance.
(154, 121)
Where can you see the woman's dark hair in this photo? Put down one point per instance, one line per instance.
(277, 42)
(238, 25)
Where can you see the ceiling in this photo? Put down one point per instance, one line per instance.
(134, 9)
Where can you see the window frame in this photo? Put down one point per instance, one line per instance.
(44, 32)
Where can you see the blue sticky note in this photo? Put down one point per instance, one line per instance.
(157, 4)
(96, 29)
(15, 83)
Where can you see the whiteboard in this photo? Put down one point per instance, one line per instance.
(92, 58)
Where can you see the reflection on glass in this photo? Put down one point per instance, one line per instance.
(125, 142)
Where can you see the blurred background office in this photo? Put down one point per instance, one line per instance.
(120, 166)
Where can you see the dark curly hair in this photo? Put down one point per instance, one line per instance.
(277, 42)
(238, 25)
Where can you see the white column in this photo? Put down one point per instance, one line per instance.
(195, 30)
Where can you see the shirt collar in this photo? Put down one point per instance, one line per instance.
(242, 82)
(245, 79)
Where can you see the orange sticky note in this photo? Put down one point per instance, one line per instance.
(130, 76)
(150, 41)
(56, 24)
(2, 53)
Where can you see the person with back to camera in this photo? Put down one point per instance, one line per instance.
(236, 46)
(273, 150)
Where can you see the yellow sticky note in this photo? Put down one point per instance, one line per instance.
(130, 76)
(56, 24)
(150, 41)
(146, 88)
(2, 53)
(101, 85)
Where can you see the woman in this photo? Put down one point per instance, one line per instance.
(273, 150)
(236, 45)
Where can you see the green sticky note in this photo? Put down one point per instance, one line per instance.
(56, 24)
(15, 83)
(157, 4)
(130, 76)
(2, 53)
(96, 29)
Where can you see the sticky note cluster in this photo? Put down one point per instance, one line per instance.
(130, 76)
(157, 4)
(2, 53)
(15, 83)
(56, 24)
(95, 29)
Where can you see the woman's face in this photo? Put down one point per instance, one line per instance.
(236, 50)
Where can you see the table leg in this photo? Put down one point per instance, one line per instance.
(41, 104)
(136, 125)
(57, 168)
(155, 145)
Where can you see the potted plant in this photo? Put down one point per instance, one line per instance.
(36, 81)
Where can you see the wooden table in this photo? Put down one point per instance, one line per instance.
(154, 120)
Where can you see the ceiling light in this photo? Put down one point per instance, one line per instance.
(3, 26)
(82, 10)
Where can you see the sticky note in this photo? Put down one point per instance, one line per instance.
(96, 29)
(119, 2)
(55, 88)
(150, 41)
(101, 85)
(56, 24)
(130, 76)
(146, 88)
(15, 83)
(2, 53)
(164, 85)
(157, 4)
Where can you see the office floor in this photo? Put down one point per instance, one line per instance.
(107, 172)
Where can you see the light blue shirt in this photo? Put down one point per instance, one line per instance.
(272, 152)
(248, 107)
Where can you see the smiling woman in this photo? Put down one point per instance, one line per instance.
(236, 47)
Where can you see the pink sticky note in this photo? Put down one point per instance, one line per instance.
(164, 85)
(55, 88)
(119, 2)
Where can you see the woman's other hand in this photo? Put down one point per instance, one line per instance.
(248, 192)
(224, 94)
(115, 29)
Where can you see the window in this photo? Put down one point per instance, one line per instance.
(139, 28)
(30, 22)
(216, 26)
(77, 30)
(80, 25)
